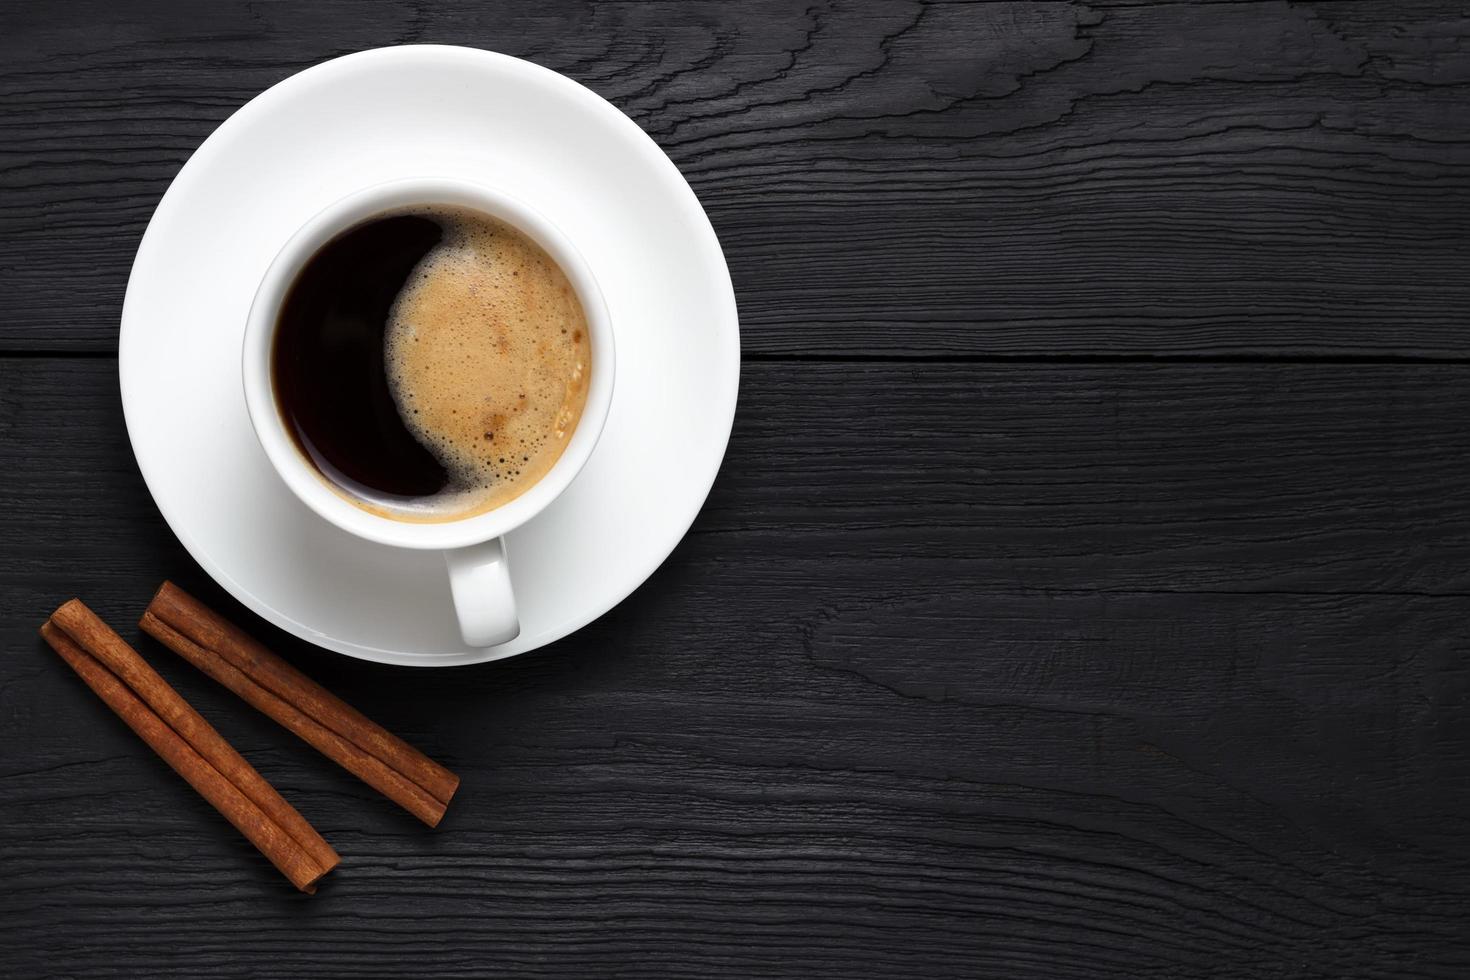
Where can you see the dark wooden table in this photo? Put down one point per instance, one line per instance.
(1086, 592)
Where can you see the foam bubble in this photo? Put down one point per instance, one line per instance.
(487, 356)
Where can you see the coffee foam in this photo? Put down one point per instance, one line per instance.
(488, 356)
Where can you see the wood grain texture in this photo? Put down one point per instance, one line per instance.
(980, 179)
(1086, 592)
(966, 670)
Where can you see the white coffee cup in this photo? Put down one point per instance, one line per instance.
(474, 547)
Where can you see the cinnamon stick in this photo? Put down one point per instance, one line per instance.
(96, 637)
(274, 687)
(251, 804)
(366, 767)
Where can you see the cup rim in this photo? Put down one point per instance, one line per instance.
(271, 429)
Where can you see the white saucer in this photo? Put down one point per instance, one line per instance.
(428, 110)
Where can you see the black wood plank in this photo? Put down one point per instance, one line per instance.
(898, 178)
(1011, 478)
(1113, 670)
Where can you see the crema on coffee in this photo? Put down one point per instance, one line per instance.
(432, 364)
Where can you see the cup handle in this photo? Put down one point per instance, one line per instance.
(480, 580)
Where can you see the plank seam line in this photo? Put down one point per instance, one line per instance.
(1121, 359)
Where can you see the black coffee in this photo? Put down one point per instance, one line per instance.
(330, 377)
(432, 365)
